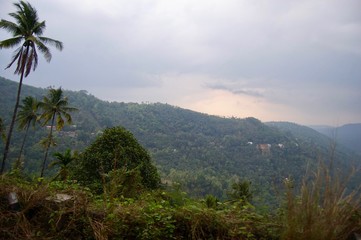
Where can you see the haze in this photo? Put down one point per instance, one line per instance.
(296, 61)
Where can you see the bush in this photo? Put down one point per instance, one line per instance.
(115, 149)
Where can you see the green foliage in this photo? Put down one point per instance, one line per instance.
(63, 160)
(211, 201)
(27, 32)
(28, 115)
(116, 149)
(55, 109)
(204, 154)
(241, 191)
(320, 211)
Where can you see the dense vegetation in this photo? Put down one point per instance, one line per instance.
(116, 151)
(67, 210)
(102, 183)
(106, 186)
(204, 154)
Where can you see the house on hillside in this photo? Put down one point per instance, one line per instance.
(264, 148)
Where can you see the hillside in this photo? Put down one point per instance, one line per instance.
(203, 153)
(348, 135)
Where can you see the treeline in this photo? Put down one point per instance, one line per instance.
(202, 153)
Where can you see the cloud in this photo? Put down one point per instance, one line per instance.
(300, 59)
(237, 90)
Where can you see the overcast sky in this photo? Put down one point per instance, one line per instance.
(280, 60)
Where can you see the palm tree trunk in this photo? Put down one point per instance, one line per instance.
(23, 144)
(12, 124)
(48, 146)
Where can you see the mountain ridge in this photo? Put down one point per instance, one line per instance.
(204, 153)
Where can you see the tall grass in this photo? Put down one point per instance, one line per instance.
(324, 208)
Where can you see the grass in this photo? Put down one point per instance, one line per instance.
(323, 208)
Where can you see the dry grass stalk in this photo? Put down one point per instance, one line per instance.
(325, 208)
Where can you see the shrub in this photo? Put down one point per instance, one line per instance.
(115, 149)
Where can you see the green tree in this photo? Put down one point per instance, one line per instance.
(63, 161)
(28, 115)
(27, 31)
(240, 190)
(56, 111)
(115, 149)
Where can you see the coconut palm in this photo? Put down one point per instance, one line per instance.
(28, 115)
(27, 32)
(56, 111)
(63, 160)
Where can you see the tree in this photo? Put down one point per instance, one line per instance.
(27, 31)
(241, 191)
(56, 110)
(63, 160)
(28, 115)
(115, 150)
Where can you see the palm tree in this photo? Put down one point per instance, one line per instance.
(27, 31)
(62, 161)
(55, 107)
(28, 115)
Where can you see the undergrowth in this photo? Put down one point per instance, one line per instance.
(323, 208)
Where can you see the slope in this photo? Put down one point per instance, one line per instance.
(203, 153)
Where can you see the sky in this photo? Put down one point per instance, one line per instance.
(280, 60)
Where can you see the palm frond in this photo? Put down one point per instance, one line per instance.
(39, 28)
(27, 26)
(9, 26)
(11, 42)
(43, 49)
(59, 121)
(26, 15)
(35, 58)
(17, 54)
(21, 61)
(59, 45)
(28, 112)
(29, 63)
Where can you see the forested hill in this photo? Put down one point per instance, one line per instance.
(201, 152)
(348, 135)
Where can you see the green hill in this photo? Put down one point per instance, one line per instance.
(348, 135)
(203, 153)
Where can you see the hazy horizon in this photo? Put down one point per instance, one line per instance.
(311, 125)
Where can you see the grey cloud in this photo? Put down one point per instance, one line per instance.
(285, 52)
(236, 90)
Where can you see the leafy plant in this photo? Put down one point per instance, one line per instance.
(63, 161)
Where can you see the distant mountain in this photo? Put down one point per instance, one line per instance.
(203, 153)
(310, 135)
(348, 135)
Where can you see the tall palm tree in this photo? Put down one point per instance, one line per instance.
(56, 111)
(27, 32)
(63, 161)
(28, 115)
